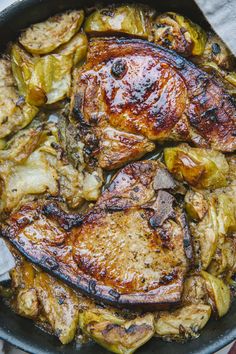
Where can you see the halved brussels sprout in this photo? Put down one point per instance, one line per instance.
(228, 78)
(77, 46)
(116, 333)
(51, 79)
(47, 79)
(31, 165)
(22, 67)
(216, 51)
(196, 204)
(178, 33)
(34, 176)
(25, 301)
(60, 306)
(44, 37)
(22, 276)
(206, 234)
(219, 220)
(44, 299)
(21, 145)
(218, 292)
(224, 260)
(15, 113)
(226, 207)
(201, 168)
(128, 19)
(195, 291)
(184, 323)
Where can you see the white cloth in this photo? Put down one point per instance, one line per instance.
(221, 14)
(7, 261)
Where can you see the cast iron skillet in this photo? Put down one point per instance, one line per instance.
(22, 332)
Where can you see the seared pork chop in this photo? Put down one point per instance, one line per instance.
(131, 93)
(132, 248)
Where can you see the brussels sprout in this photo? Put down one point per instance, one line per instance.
(22, 67)
(218, 292)
(201, 168)
(34, 176)
(30, 165)
(128, 19)
(184, 323)
(44, 37)
(226, 213)
(27, 303)
(44, 299)
(15, 113)
(116, 333)
(19, 148)
(228, 78)
(180, 34)
(47, 79)
(60, 306)
(224, 259)
(206, 234)
(217, 52)
(23, 274)
(219, 220)
(50, 80)
(195, 204)
(77, 46)
(195, 291)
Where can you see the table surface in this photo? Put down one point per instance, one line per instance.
(6, 348)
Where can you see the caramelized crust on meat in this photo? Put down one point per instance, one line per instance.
(139, 88)
(133, 248)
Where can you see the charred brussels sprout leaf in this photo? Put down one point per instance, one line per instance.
(128, 19)
(184, 323)
(218, 292)
(116, 333)
(180, 34)
(201, 168)
(44, 37)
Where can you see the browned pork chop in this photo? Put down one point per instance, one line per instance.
(131, 93)
(133, 248)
